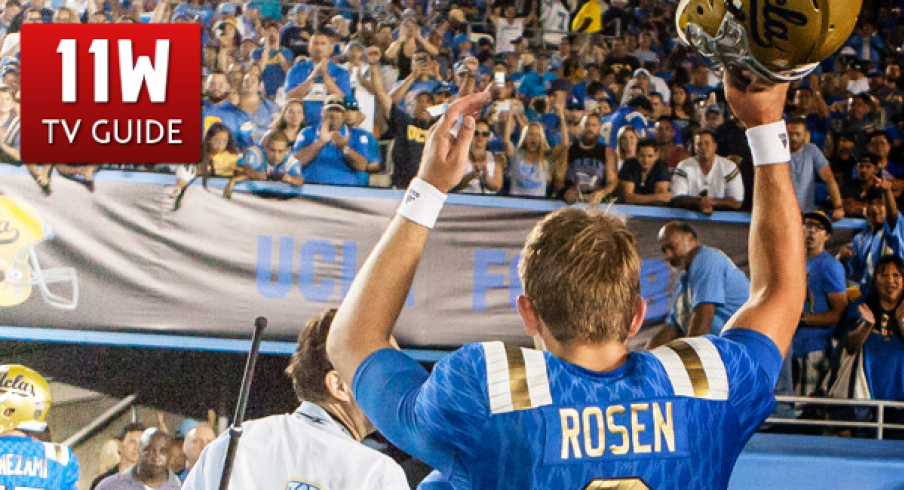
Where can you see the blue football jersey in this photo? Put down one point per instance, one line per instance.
(496, 417)
(26, 463)
(622, 116)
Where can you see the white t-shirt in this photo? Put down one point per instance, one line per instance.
(366, 100)
(555, 19)
(858, 86)
(305, 447)
(474, 186)
(723, 181)
(506, 33)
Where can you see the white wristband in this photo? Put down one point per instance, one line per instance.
(769, 144)
(422, 203)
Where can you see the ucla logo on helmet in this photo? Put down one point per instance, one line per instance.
(775, 21)
(8, 233)
(301, 485)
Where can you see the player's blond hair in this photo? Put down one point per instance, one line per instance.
(581, 271)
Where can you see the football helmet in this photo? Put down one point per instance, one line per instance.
(21, 231)
(780, 40)
(24, 399)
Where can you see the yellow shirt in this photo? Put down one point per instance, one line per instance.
(590, 10)
(224, 164)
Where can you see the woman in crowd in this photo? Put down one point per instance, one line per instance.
(484, 173)
(681, 107)
(535, 169)
(260, 109)
(626, 146)
(290, 119)
(874, 327)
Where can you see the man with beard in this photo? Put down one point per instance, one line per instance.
(808, 164)
(884, 234)
(671, 153)
(574, 114)
(151, 470)
(709, 290)
(217, 108)
(328, 154)
(707, 181)
(591, 174)
(316, 79)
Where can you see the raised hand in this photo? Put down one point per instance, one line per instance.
(866, 313)
(445, 156)
(754, 101)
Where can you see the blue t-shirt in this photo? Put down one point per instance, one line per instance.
(237, 120)
(711, 278)
(330, 167)
(509, 418)
(255, 158)
(621, 117)
(869, 247)
(805, 167)
(825, 276)
(262, 119)
(273, 75)
(301, 71)
(204, 12)
(883, 353)
(534, 85)
(33, 464)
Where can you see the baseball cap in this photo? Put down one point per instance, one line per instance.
(252, 6)
(351, 104)
(821, 218)
(875, 72)
(300, 8)
(457, 15)
(226, 8)
(352, 44)
(574, 102)
(443, 88)
(335, 102)
(713, 108)
(185, 427)
(856, 65)
(557, 85)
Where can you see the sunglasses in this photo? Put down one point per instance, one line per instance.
(485, 134)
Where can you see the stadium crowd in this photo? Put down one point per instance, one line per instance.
(594, 102)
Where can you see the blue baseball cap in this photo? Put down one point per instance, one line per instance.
(574, 102)
(226, 8)
(300, 8)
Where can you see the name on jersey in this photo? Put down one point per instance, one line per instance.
(576, 434)
(16, 384)
(18, 465)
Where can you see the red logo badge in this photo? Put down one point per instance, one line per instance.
(111, 93)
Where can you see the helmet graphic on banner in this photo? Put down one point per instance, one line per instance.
(21, 231)
(24, 399)
(780, 40)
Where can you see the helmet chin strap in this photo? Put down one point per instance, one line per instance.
(730, 48)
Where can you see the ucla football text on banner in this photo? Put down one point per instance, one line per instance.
(111, 93)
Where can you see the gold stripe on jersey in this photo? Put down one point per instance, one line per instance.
(516, 378)
(694, 367)
(618, 484)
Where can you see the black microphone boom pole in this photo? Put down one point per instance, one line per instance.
(235, 431)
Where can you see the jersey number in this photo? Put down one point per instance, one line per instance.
(617, 484)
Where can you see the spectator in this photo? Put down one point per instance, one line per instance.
(218, 108)
(619, 60)
(367, 144)
(290, 119)
(403, 50)
(884, 234)
(195, 9)
(219, 156)
(362, 64)
(591, 174)
(554, 17)
(699, 84)
(249, 23)
(650, 84)
(873, 329)
(535, 169)
(865, 41)
(508, 27)
(152, 468)
(854, 193)
(645, 179)
(9, 127)
(808, 164)
(328, 154)
(712, 117)
(890, 98)
(11, 9)
(260, 110)
(274, 162)
(485, 171)
(627, 145)
(864, 116)
(708, 291)
(574, 116)
(707, 181)
(666, 134)
(634, 114)
(196, 440)
(825, 304)
(681, 107)
(843, 162)
(537, 81)
(296, 33)
(880, 146)
(857, 83)
(11, 42)
(273, 59)
(128, 452)
(320, 442)
(317, 78)
(813, 109)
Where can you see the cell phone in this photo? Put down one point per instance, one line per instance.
(500, 79)
(437, 110)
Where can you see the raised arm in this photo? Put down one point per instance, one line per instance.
(365, 319)
(776, 248)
